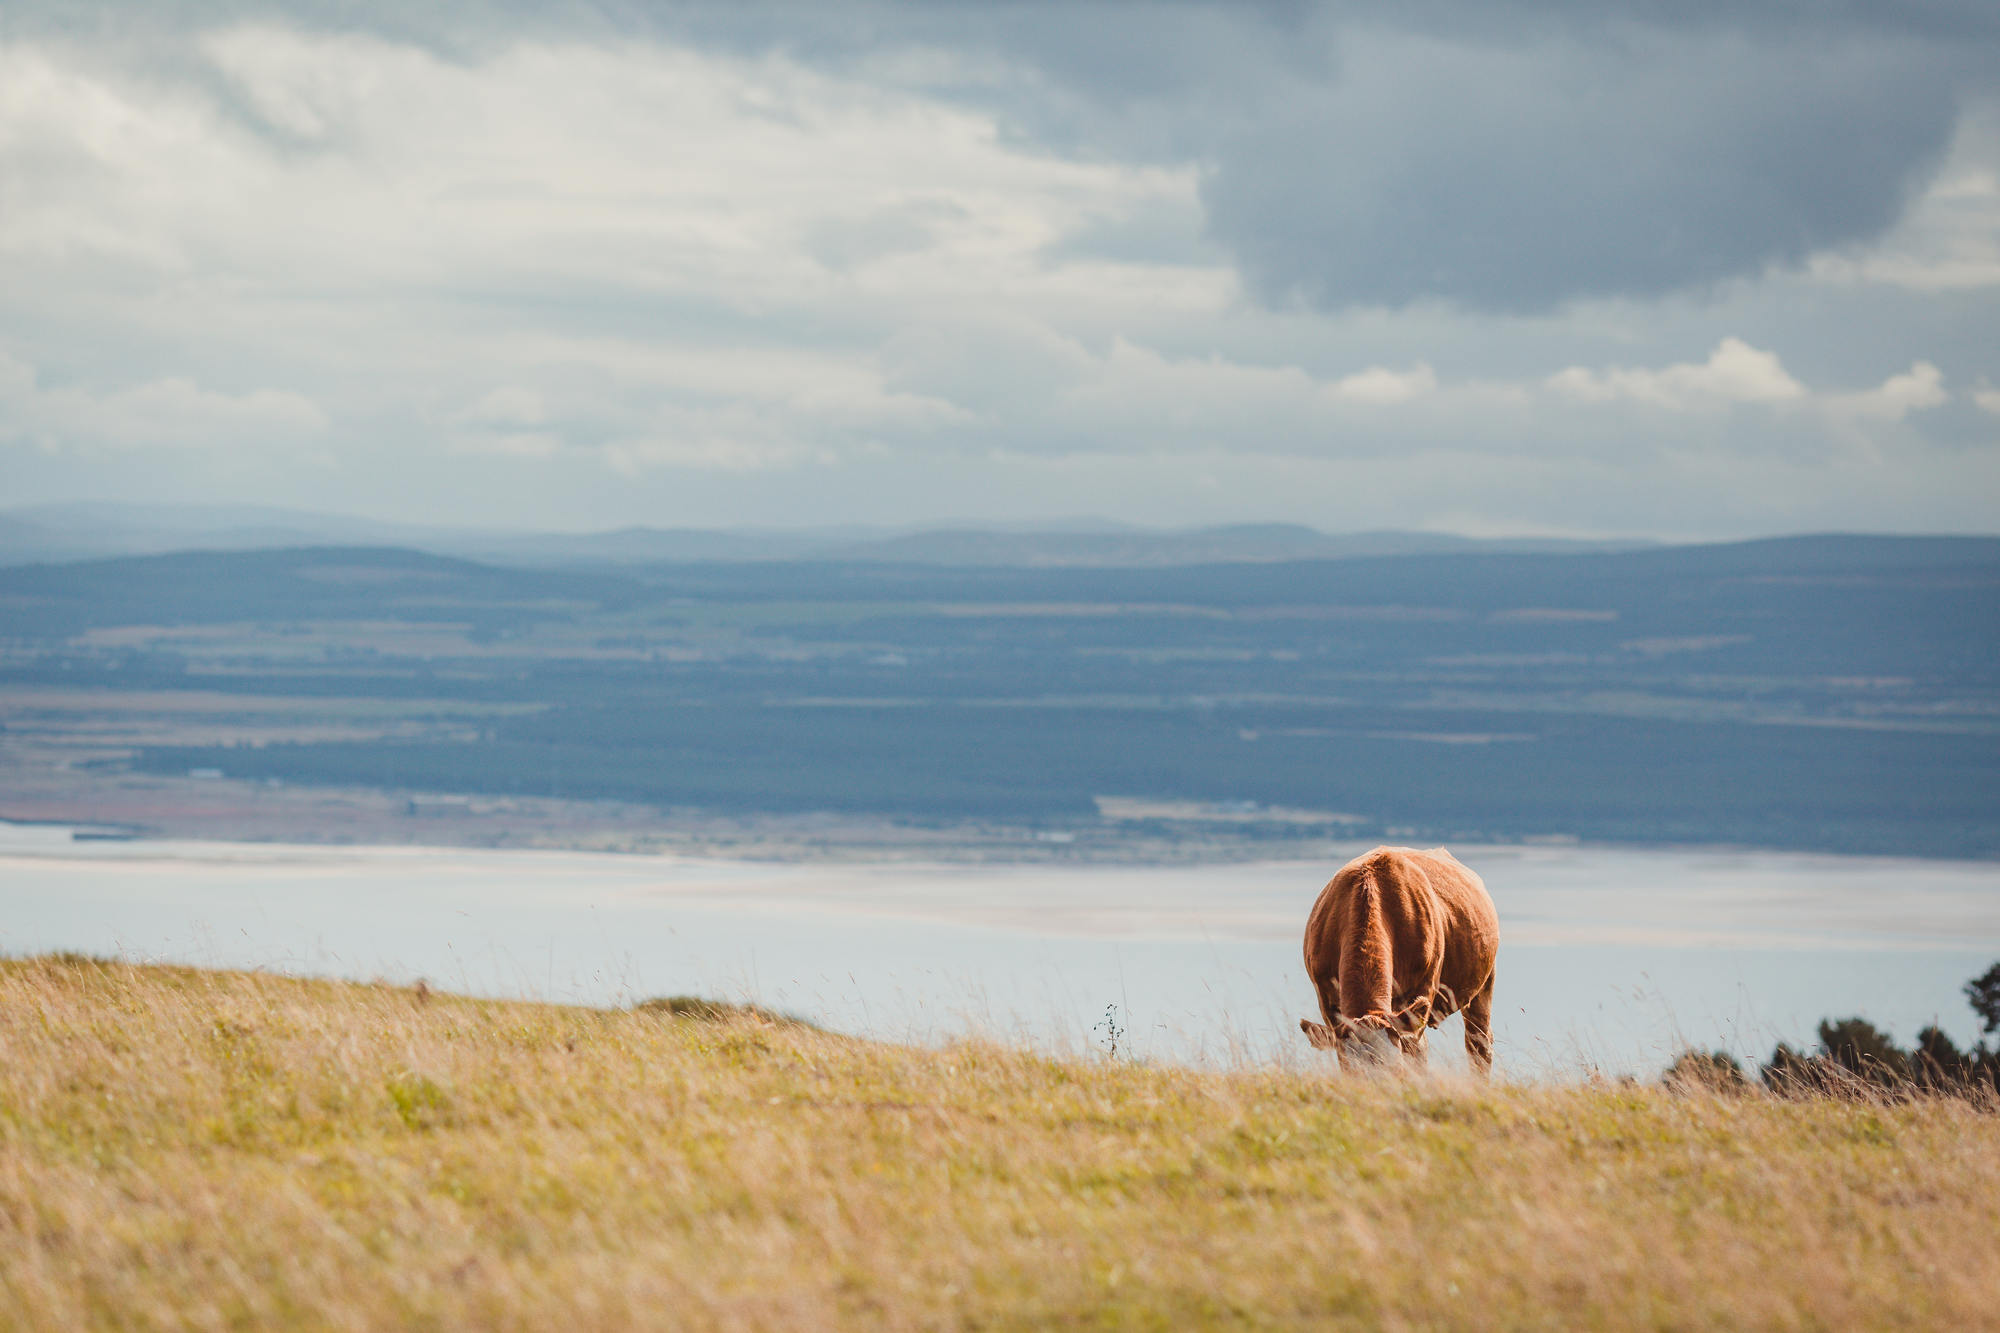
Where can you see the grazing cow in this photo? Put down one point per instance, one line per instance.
(1398, 941)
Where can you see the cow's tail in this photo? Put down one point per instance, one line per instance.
(1367, 969)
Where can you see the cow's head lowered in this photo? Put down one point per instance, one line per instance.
(1375, 1042)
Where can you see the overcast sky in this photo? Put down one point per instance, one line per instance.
(1679, 270)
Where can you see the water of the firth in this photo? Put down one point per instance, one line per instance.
(1609, 957)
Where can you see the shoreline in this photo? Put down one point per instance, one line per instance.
(232, 811)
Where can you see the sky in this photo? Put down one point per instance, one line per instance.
(1497, 267)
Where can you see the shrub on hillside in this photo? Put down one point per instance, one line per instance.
(1791, 1073)
(1983, 994)
(1855, 1057)
(716, 1011)
(1937, 1062)
(1707, 1071)
(1865, 1051)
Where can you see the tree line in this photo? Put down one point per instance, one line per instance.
(1854, 1055)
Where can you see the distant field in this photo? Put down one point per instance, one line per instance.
(199, 1149)
(1837, 694)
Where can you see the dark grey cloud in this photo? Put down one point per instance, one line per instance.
(1516, 180)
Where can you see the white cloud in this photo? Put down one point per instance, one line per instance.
(1132, 397)
(1988, 400)
(1920, 387)
(1383, 387)
(345, 169)
(1739, 375)
(524, 444)
(172, 412)
(1735, 372)
(1142, 386)
(709, 454)
(510, 405)
(1146, 398)
(505, 423)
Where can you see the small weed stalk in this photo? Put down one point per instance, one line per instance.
(1113, 1034)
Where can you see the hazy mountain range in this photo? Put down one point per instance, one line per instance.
(53, 533)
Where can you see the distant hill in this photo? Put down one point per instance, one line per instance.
(1247, 542)
(622, 547)
(46, 533)
(42, 533)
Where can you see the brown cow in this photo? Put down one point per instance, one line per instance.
(1398, 941)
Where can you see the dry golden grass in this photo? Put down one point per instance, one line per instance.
(202, 1149)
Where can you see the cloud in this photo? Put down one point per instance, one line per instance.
(615, 172)
(1505, 157)
(987, 364)
(509, 405)
(1381, 386)
(1023, 387)
(171, 412)
(1521, 176)
(1735, 372)
(717, 264)
(1922, 386)
(845, 243)
(711, 453)
(521, 444)
(1949, 240)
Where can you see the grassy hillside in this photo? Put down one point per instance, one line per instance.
(183, 1148)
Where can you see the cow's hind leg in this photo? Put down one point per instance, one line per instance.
(1324, 1035)
(1479, 1029)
